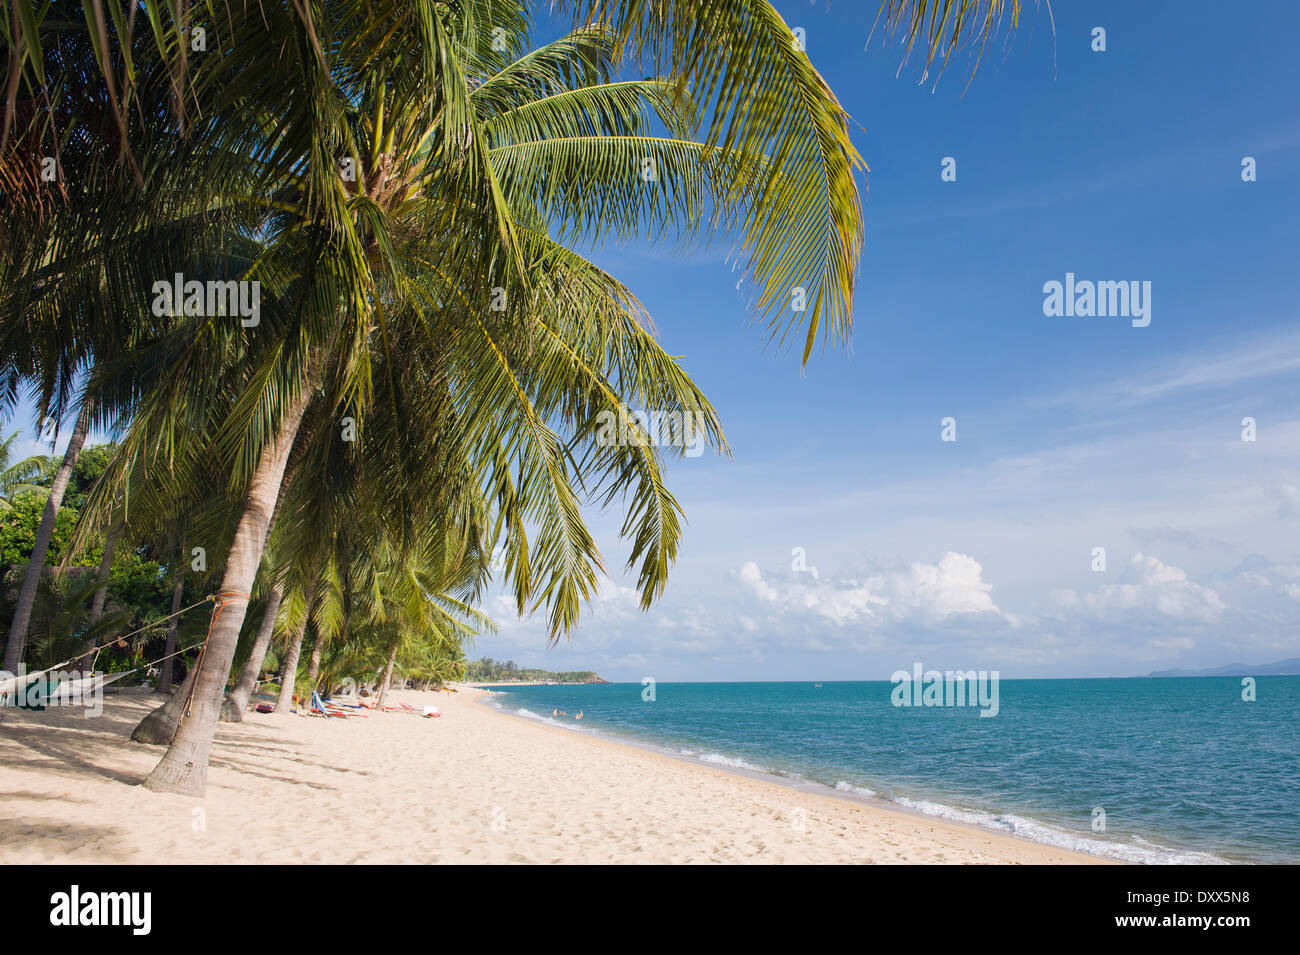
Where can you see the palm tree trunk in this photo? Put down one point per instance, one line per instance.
(313, 665)
(159, 727)
(388, 677)
(105, 568)
(165, 676)
(287, 684)
(17, 642)
(232, 711)
(184, 767)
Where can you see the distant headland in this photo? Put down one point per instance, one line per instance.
(488, 670)
(1280, 668)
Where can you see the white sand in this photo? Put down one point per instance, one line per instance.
(475, 785)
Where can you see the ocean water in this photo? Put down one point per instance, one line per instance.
(1184, 769)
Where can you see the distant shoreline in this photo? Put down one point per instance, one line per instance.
(532, 683)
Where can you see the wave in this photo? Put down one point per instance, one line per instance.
(1138, 851)
(844, 787)
(570, 724)
(735, 762)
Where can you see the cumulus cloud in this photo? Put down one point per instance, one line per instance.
(1146, 609)
(954, 586)
(1158, 587)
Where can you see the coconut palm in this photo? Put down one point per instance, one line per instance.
(384, 253)
(17, 639)
(407, 604)
(61, 626)
(17, 477)
(433, 666)
(491, 363)
(409, 209)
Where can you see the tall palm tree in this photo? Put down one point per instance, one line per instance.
(473, 168)
(17, 639)
(385, 253)
(496, 420)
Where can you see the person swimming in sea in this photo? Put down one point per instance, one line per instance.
(555, 711)
(579, 716)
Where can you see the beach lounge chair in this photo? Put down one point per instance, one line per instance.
(349, 704)
(318, 708)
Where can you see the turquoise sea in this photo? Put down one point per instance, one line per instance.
(1184, 769)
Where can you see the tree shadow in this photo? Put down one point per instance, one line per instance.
(67, 761)
(69, 838)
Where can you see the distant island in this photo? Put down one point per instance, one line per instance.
(1289, 667)
(488, 670)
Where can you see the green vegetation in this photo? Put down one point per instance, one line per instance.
(488, 670)
(137, 590)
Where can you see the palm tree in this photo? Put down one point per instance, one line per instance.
(572, 346)
(496, 413)
(408, 601)
(60, 622)
(17, 639)
(472, 166)
(17, 477)
(434, 666)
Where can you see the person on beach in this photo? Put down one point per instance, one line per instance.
(555, 711)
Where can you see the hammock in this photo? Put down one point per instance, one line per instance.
(14, 683)
(67, 689)
(77, 689)
(17, 683)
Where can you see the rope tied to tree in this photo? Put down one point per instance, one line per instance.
(222, 598)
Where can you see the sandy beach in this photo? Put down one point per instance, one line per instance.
(475, 785)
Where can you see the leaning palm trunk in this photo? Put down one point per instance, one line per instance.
(159, 727)
(184, 767)
(388, 677)
(313, 665)
(27, 596)
(165, 675)
(105, 568)
(290, 679)
(232, 710)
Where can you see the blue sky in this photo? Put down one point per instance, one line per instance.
(1072, 433)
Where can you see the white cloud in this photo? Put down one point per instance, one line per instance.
(952, 586)
(752, 578)
(1157, 587)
